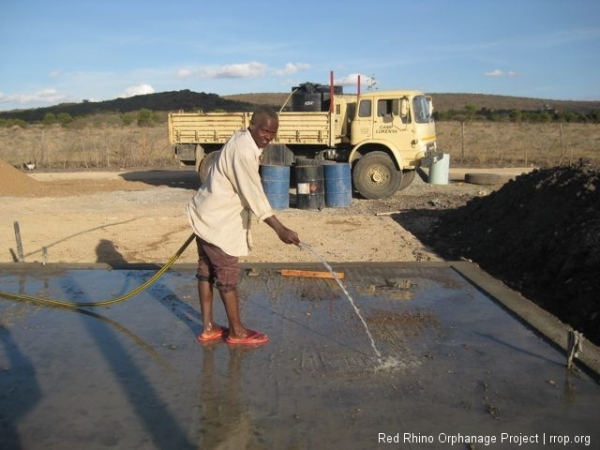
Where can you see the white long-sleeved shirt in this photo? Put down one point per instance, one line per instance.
(218, 212)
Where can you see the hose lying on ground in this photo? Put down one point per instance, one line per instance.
(65, 304)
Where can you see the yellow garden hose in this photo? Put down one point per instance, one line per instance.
(130, 294)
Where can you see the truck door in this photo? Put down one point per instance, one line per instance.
(390, 119)
(362, 125)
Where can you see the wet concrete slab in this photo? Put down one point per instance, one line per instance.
(456, 366)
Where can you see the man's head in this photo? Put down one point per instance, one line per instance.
(263, 126)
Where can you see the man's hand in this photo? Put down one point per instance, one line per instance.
(289, 236)
(285, 234)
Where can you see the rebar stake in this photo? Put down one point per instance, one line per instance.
(20, 256)
(574, 346)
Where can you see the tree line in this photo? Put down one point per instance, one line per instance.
(145, 117)
(473, 113)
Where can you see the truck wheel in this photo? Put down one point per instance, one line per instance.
(205, 164)
(375, 176)
(407, 178)
(484, 178)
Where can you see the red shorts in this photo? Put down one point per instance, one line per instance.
(216, 266)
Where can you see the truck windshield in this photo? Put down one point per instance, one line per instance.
(421, 109)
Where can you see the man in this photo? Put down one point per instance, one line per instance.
(219, 215)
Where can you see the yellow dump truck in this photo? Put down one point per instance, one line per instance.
(384, 135)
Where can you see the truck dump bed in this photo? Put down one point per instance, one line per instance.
(194, 128)
(306, 128)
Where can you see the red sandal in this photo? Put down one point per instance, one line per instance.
(254, 338)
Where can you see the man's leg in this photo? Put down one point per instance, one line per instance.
(225, 270)
(205, 293)
(237, 331)
(232, 309)
(210, 331)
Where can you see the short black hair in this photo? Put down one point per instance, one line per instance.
(263, 110)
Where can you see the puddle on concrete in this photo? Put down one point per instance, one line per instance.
(133, 376)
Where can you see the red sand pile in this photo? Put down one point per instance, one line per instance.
(15, 182)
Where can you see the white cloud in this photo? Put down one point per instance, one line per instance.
(140, 89)
(184, 73)
(245, 70)
(252, 69)
(499, 73)
(45, 96)
(352, 80)
(495, 73)
(291, 68)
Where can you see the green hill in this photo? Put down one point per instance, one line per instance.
(163, 101)
(447, 102)
(192, 101)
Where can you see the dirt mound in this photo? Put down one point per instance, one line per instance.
(540, 234)
(15, 182)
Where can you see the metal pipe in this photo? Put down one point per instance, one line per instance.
(331, 90)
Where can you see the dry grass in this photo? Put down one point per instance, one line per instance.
(89, 147)
(511, 144)
(115, 146)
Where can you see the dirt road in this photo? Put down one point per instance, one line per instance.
(138, 216)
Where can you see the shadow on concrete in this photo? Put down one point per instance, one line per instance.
(20, 390)
(137, 388)
(184, 178)
(187, 314)
(108, 253)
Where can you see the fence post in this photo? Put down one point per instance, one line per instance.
(462, 139)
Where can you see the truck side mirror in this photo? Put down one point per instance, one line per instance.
(430, 104)
(404, 107)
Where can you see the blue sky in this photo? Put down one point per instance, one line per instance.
(64, 50)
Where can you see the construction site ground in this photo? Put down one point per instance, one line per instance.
(536, 230)
(456, 344)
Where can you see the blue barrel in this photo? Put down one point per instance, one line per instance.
(338, 185)
(276, 184)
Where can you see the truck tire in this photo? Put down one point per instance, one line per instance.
(375, 176)
(205, 164)
(407, 178)
(485, 179)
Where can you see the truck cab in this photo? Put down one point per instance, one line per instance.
(391, 133)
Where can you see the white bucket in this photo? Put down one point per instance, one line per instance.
(438, 172)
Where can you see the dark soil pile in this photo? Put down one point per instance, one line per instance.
(539, 234)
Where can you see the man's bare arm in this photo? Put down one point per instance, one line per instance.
(285, 234)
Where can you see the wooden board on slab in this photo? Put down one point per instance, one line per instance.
(310, 274)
